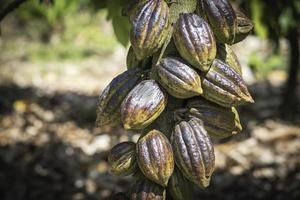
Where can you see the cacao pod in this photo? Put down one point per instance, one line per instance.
(224, 86)
(177, 78)
(222, 19)
(244, 26)
(112, 96)
(142, 105)
(193, 151)
(179, 187)
(218, 121)
(131, 59)
(150, 24)
(195, 41)
(155, 157)
(200, 10)
(227, 55)
(147, 190)
(122, 159)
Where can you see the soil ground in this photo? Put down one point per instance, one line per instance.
(49, 148)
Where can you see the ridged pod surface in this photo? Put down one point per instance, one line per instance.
(122, 159)
(222, 19)
(200, 10)
(227, 55)
(150, 24)
(142, 105)
(155, 157)
(195, 41)
(193, 151)
(179, 187)
(177, 78)
(224, 86)
(244, 26)
(108, 106)
(218, 121)
(144, 189)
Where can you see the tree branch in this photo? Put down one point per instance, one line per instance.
(11, 7)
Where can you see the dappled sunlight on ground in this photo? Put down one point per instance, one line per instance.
(48, 138)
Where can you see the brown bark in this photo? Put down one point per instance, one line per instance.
(290, 102)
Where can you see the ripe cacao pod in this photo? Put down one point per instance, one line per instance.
(217, 120)
(177, 78)
(195, 41)
(150, 25)
(193, 151)
(179, 187)
(112, 96)
(224, 86)
(155, 157)
(227, 55)
(122, 159)
(147, 190)
(142, 105)
(244, 26)
(222, 19)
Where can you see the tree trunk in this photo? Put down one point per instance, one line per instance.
(289, 104)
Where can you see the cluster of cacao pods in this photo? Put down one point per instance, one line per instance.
(181, 87)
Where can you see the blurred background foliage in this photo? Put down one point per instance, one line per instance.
(53, 22)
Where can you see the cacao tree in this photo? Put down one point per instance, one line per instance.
(181, 87)
(182, 84)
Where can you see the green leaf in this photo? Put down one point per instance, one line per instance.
(120, 23)
(258, 14)
(181, 6)
(121, 27)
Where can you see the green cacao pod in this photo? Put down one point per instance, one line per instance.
(177, 78)
(147, 190)
(179, 187)
(222, 19)
(200, 10)
(244, 26)
(131, 59)
(224, 86)
(122, 159)
(142, 105)
(112, 96)
(227, 55)
(218, 121)
(155, 157)
(193, 151)
(195, 41)
(150, 25)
